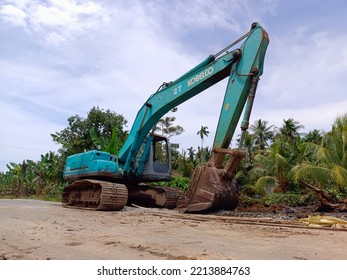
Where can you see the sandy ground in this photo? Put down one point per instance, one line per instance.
(32, 229)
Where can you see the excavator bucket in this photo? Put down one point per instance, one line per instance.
(212, 187)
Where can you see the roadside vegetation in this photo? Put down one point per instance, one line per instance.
(280, 161)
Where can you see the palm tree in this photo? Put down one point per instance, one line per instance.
(270, 170)
(191, 154)
(262, 133)
(184, 165)
(202, 133)
(314, 136)
(290, 129)
(248, 145)
(326, 163)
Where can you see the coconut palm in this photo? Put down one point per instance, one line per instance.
(314, 136)
(270, 171)
(249, 145)
(262, 133)
(326, 163)
(290, 129)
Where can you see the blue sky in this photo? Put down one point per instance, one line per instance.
(62, 57)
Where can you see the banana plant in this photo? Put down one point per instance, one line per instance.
(102, 143)
(17, 173)
(43, 171)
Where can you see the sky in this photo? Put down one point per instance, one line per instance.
(59, 58)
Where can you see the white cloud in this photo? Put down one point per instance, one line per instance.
(13, 15)
(319, 117)
(57, 21)
(304, 71)
(67, 14)
(119, 69)
(186, 16)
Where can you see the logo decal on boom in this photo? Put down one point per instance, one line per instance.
(200, 76)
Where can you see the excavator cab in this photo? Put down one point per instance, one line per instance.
(155, 167)
(158, 164)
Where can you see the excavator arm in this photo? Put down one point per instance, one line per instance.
(212, 185)
(240, 65)
(172, 94)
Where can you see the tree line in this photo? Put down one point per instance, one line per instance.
(278, 159)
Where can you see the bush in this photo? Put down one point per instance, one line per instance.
(53, 191)
(180, 182)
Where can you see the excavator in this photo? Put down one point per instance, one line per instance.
(103, 181)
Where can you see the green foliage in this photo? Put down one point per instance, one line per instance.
(112, 145)
(165, 127)
(289, 130)
(325, 163)
(249, 145)
(288, 199)
(179, 182)
(183, 164)
(43, 178)
(53, 191)
(116, 141)
(268, 175)
(309, 172)
(17, 178)
(264, 183)
(203, 132)
(249, 200)
(262, 133)
(32, 177)
(270, 170)
(314, 136)
(96, 130)
(98, 141)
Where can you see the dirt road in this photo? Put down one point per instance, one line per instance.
(32, 229)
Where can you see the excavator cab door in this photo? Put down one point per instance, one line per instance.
(158, 165)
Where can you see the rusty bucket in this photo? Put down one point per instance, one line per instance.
(212, 188)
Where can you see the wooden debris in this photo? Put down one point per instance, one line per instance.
(326, 201)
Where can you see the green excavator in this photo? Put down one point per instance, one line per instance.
(102, 181)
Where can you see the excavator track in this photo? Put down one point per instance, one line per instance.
(154, 196)
(172, 197)
(95, 195)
